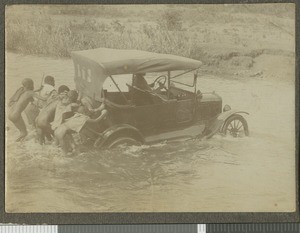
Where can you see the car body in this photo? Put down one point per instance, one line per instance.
(137, 116)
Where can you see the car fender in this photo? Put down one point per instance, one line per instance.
(217, 124)
(118, 131)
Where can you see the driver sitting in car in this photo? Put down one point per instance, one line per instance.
(140, 82)
(139, 90)
(142, 93)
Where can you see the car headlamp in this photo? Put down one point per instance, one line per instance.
(226, 108)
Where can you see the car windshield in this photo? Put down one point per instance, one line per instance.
(180, 77)
(182, 80)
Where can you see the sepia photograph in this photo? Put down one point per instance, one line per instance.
(150, 108)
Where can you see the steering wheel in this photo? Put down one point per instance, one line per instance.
(161, 81)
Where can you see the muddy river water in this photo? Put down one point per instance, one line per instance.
(256, 173)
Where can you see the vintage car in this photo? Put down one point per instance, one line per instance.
(170, 107)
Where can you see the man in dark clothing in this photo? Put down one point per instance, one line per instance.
(140, 95)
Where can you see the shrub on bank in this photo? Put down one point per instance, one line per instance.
(45, 37)
(54, 36)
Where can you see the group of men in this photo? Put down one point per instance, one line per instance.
(55, 114)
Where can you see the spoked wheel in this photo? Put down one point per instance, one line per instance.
(123, 141)
(236, 126)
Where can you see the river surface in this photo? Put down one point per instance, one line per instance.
(253, 174)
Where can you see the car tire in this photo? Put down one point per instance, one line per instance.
(236, 126)
(123, 141)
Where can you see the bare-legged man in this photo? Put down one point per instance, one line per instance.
(18, 102)
(47, 114)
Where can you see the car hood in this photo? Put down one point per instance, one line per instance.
(210, 97)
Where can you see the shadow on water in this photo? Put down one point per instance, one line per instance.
(106, 177)
(135, 168)
(140, 178)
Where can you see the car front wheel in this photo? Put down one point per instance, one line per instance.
(236, 126)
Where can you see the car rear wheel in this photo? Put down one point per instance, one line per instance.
(123, 141)
(236, 126)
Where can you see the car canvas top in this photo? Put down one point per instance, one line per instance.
(115, 61)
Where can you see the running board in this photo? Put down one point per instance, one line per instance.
(190, 132)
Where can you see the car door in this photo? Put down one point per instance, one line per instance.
(184, 111)
(155, 118)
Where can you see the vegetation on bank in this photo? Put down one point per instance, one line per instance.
(216, 37)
